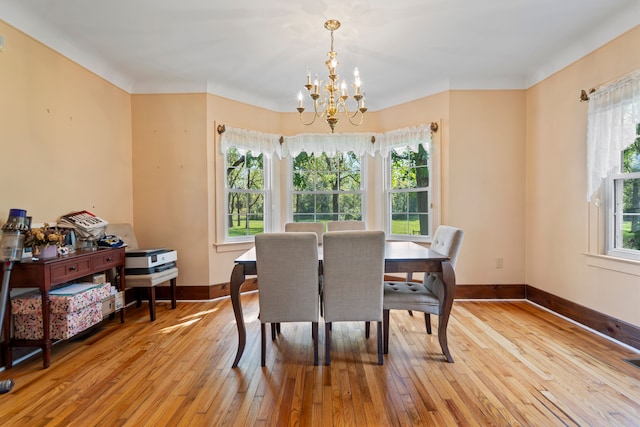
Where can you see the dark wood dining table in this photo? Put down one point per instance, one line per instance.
(400, 257)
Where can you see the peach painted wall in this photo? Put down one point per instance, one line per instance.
(65, 136)
(561, 227)
(481, 144)
(170, 188)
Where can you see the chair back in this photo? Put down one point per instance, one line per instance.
(346, 225)
(287, 267)
(353, 275)
(447, 241)
(316, 227)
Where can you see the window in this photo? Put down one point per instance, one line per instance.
(409, 192)
(245, 194)
(327, 188)
(623, 203)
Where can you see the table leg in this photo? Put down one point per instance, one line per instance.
(449, 279)
(6, 322)
(237, 279)
(123, 287)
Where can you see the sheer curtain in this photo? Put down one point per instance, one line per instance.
(359, 143)
(614, 112)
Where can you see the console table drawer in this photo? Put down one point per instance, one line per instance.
(105, 261)
(66, 271)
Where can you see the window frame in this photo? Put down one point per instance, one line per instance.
(613, 184)
(266, 192)
(363, 189)
(431, 190)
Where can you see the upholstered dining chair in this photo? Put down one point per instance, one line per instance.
(287, 270)
(139, 281)
(316, 227)
(346, 225)
(430, 296)
(353, 269)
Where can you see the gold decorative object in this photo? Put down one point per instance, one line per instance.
(330, 97)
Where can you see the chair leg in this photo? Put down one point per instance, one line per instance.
(314, 332)
(273, 331)
(173, 294)
(380, 361)
(278, 327)
(327, 344)
(152, 303)
(138, 294)
(427, 322)
(385, 322)
(263, 344)
(367, 329)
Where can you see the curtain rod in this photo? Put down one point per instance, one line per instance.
(584, 96)
(433, 126)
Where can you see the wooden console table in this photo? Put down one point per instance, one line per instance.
(49, 274)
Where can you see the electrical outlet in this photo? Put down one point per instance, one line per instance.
(498, 262)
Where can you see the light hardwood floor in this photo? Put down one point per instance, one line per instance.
(515, 364)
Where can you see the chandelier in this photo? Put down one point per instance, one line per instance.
(331, 98)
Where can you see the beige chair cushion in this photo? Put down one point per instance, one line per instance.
(353, 270)
(410, 296)
(149, 280)
(287, 267)
(346, 225)
(447, 241)
(316, 227)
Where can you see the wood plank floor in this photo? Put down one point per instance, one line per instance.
(515, 364)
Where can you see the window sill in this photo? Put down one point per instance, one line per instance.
(620, 265)
(407, 238)
(232, 246)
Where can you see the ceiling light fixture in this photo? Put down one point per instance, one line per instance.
(330, 97)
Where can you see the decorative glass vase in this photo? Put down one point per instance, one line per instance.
(45, 252)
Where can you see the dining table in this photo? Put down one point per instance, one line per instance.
(400, 257)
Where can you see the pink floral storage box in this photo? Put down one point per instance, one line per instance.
(74, 308)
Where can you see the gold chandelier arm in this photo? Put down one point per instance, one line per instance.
(351, 116)
(317, 113)
(311, 122)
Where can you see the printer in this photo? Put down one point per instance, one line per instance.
(148, 261)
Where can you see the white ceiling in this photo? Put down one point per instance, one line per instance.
(258, 51)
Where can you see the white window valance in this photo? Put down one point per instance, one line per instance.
(250, 140)
(359, 143)
(614, 112)
(410, 137)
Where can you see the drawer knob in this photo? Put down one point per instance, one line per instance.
(109, 259)
(72, 268)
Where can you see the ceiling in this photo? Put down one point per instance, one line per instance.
(258, 51)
